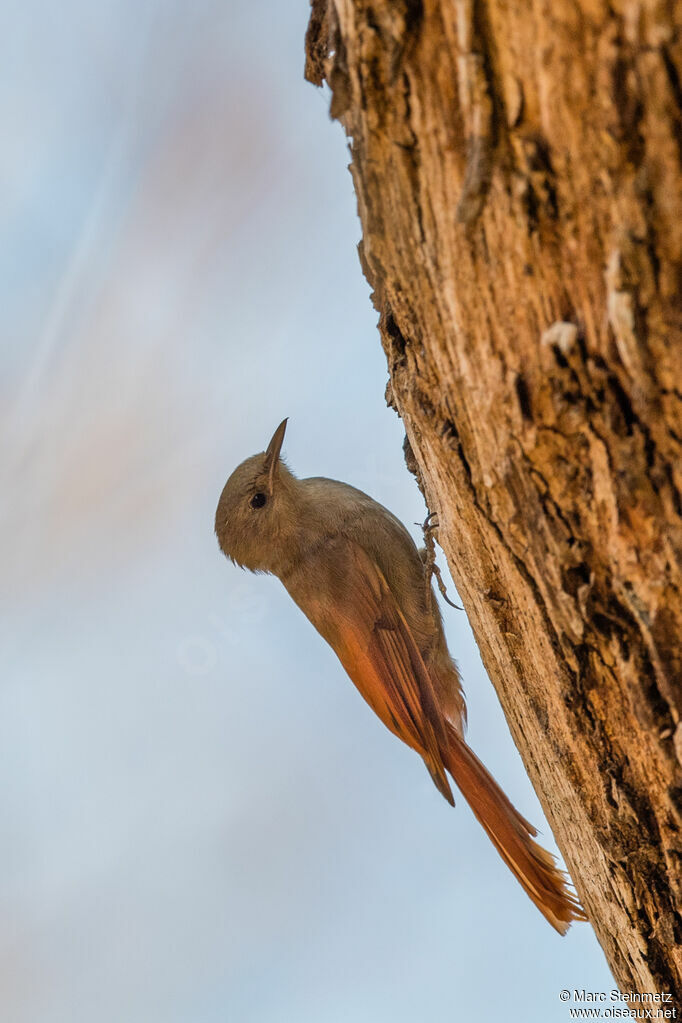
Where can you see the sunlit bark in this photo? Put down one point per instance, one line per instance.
(517, 169)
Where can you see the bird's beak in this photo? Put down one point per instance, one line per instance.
(272, 452)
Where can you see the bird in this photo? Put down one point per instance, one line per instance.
(356, 573)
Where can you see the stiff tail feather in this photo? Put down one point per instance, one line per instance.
(511, 834)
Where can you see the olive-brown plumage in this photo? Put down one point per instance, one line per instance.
(355, 572)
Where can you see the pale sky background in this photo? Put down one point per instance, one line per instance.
(203, 822)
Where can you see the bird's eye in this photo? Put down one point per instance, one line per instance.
(258, 500)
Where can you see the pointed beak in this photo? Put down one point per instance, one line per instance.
(273, 450)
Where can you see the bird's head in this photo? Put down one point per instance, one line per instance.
(255, 520)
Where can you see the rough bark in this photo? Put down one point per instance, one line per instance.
(517, 169)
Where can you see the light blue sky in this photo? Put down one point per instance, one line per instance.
(203, 821)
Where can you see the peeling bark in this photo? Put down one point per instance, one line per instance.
(517, 169)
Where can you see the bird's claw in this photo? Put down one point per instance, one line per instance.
(429, 527)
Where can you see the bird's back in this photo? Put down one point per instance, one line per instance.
(345, 514)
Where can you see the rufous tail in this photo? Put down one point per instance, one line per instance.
(511, 834)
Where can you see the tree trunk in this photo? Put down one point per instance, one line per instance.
(517, 169)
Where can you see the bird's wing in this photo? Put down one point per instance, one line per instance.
(374, 642)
